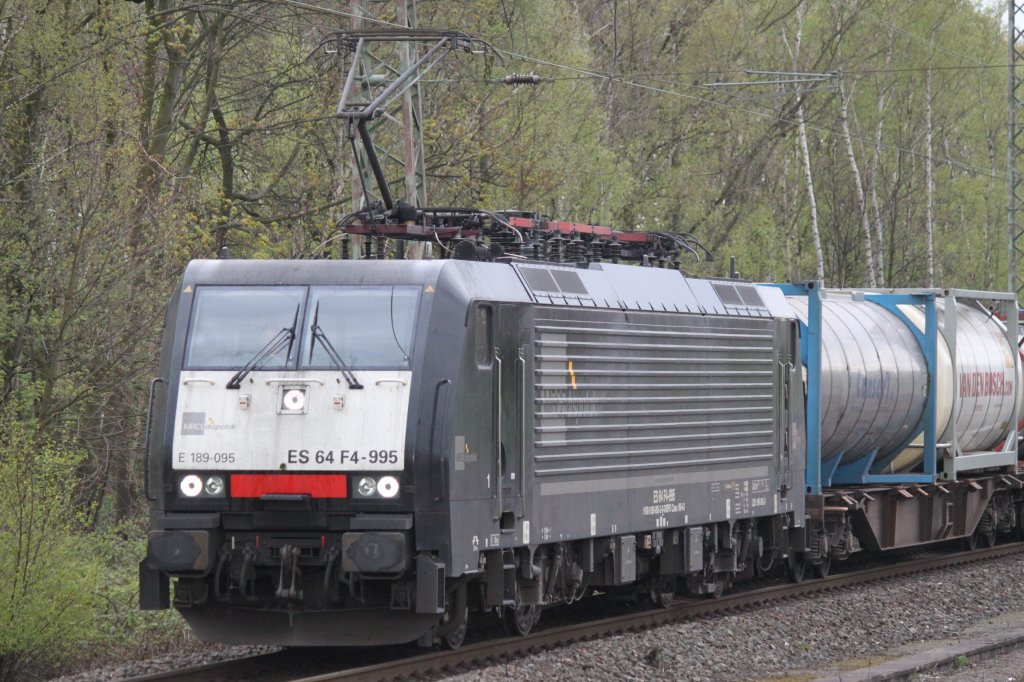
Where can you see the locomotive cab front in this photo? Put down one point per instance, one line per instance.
(280, 461)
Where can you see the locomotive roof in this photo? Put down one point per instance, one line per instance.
(600, 285)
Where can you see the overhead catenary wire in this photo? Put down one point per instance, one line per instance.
(583, 73)
(753, 112)
(298, 4)
(902, 31)
(852, 6)
(633, 82)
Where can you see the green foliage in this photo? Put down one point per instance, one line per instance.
(66, 597)
(134, 137)
(540, 148)
(121, 628)
(718, 161)
(49, 579)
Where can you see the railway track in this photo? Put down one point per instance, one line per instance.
(324, 665)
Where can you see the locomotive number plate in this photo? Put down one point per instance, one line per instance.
(340, 456)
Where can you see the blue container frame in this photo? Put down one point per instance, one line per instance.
(820, 473)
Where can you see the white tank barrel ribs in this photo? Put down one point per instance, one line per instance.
(876, 368)
(913, 401)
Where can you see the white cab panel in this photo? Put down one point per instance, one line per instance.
(291, 421)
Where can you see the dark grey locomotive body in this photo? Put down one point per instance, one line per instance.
(560, 428)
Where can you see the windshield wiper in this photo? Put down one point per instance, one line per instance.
(318, 335)
(284, 338)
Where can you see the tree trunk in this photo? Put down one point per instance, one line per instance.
(173, 33)
(844, 103)
(809, 179)
(801, 12)
(880, 104)
(929, 179)
(879, 234)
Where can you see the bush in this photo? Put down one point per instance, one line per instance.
(49, 575)
(126, 632)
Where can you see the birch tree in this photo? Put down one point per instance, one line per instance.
(929, 170)
(801, 13)
(862, 209)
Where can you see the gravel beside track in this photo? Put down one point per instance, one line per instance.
(799, 640)
(802, 639)
(165, 663)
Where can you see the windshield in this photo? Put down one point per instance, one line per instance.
(230, 325)
(370, 327)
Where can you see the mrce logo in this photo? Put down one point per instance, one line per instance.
(196, 424)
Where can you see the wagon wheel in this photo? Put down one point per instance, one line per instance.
(823, 567)
(722, 583)
(663, 592)
(984, 533)
(986, 530)
(988, 539)
(764, 563)
(454, 639)
(519, 620)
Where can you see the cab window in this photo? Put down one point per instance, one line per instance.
(370, 327)
(231, 325)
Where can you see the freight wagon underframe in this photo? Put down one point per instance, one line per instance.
(874, 518)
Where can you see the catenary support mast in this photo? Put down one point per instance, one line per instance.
(1015, 146)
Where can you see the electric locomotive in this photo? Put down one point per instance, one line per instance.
(361, 452)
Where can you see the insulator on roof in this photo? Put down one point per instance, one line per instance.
(522, 79)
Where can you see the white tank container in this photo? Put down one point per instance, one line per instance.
(874, 380)
(987, 382)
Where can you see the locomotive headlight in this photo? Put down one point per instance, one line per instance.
(191, 485)
(366, 487)
(387, 486)
(214, 486)
(293, 400)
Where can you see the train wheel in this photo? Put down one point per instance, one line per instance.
(823, 567)
(764, 563)
(984, 534)
(519, 620)
(454, 639)
(988, 539)
(986, 530)
(663, 593)
(796, 567)
(722, 583)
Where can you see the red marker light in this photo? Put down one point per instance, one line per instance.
(315, 485)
